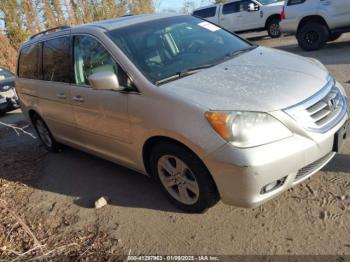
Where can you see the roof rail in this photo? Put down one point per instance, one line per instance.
(127, 15)
(55, 29)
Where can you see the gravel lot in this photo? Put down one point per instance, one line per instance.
(312, 218)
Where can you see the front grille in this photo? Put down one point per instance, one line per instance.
(309, 169)
(322, 111)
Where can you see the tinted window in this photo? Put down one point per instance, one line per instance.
(295, 2)
(245, 5)
(230, 8)
(57, 60)
(30, 62)
(91, 57)
(205, 13)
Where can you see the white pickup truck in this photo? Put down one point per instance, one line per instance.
(245, 15)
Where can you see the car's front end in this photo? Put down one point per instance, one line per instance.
(8, 96)
(283, 118)
(250, 176)
(261, 120)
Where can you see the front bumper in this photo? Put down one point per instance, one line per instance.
(8, 101)
(241, 174)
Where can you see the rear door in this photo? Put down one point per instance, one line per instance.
(53, 90)
(230, 16)
(101, 115)
(337, 12)
(44, 76)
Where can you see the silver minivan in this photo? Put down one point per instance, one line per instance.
(205, 113)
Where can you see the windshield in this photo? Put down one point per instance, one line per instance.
(268, 2)
(5, 74)
(165, 47)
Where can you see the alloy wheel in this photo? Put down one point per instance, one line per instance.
(178, 179)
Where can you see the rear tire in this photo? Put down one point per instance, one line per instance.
(183, 177)
(313, 36)
(45, 135)
(334, 37)
(273, 28)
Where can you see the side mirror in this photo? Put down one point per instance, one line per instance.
(105, 81)
(252, 7)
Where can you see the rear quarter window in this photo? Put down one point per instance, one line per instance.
(30, 65)
(295, 2)
(205, 13)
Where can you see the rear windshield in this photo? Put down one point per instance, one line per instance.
(295, 2)
(205, 13)
(268, 2)
(165, 47)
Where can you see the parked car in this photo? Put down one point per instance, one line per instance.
(205, 113)
(8, 96)
(245, 15)
(316, 22)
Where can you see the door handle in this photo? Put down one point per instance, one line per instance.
(78, 99)
(61, 96)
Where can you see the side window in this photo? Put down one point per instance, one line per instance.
(245, 5)
(231, 8)
(205, 13)
(57, 60)
(30, 65)
(91, 57)
(295, 2)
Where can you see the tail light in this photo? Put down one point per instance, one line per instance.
(283, 14)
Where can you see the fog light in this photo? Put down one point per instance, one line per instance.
(272, 186)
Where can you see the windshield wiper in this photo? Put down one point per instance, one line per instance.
(196, 69)
(184, 73)
(241, 51)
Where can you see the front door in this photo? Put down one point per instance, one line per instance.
(101, 115)
(250, 20)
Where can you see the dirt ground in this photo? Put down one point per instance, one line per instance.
(55, 193)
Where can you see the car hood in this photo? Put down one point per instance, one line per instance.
(263, 79)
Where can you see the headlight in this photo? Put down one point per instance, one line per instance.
(247, 129)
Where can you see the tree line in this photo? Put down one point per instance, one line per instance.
(27, 17)
(23, 18)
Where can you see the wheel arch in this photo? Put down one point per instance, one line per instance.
(151, 142)
(312, 19)
(32, 113)
(270, 18)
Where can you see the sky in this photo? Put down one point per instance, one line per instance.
(178, 4)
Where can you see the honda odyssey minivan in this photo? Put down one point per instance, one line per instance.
(205, 113)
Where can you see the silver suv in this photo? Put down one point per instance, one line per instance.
(205, 113)
(316, 22)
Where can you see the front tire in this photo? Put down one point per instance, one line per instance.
(183, 178)
(45, 135)
(313, 36)
(273, 28)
